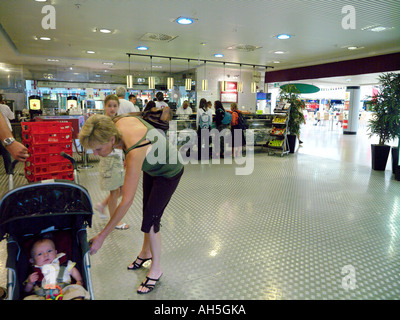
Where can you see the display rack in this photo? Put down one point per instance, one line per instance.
(278, 144)
(45, 141)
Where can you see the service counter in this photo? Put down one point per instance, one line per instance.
(185, 127)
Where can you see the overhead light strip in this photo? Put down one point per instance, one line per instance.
(204, 60)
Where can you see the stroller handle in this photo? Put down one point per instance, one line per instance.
(12, 166)
(67, 156)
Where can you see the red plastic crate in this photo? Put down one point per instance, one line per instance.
(36, 169)
(47, 158)
(41, 177)
(46, 127)
(41, 149)
(44, 138)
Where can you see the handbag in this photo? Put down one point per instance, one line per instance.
(158, 118)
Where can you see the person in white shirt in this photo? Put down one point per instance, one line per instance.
(203, 125)
(160, 103)
(7, 115)
(184, 110)
(132, 98)
(125, 106)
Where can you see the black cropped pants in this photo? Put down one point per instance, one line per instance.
(157, 192)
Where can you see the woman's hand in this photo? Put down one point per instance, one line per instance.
(95, 244)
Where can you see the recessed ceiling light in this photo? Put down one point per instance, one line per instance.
(378, 29)
(184, 20)
(218, 55)
(105, 30)
(276, 61)
(279, 52)
(40, 0)
(354, 48)
(45, 38)
(283, 36)
(90, 51)
(142, 48)
(53, 60)
(157, 67)
(108, 63)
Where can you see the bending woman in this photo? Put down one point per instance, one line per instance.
(160, 178)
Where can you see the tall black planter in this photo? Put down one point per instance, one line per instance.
(395, 158)
(292, 142)
(379, 155)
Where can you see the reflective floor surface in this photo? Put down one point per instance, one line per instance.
(316, 224)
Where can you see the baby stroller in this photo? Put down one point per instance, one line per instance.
(60, 208)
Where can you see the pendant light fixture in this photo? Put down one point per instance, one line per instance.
(152, 81)
(188, 81)
(204, 82)
(240, 83)
(129, 78)
(170, 80)
(253, 88)
(224, 83)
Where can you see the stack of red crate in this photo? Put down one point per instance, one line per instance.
(45, 141)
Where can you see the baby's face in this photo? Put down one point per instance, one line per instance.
(44, 253)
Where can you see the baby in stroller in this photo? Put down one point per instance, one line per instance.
(52, 274)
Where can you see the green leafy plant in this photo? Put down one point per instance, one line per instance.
(385, 122)
(296, 116)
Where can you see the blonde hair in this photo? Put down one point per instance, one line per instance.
(111, 97)
(234, 106)
(98, 129)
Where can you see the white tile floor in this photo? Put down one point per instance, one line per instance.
(299, 227)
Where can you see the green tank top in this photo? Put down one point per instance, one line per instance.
(163, 159)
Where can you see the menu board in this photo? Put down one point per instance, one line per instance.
(230, 94)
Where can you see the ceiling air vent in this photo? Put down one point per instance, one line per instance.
(244, 47)
(157, 37)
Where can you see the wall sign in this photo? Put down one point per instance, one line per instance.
(230, 95)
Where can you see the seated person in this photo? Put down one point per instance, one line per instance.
(52, 274)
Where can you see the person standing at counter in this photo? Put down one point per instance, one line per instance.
(203, 125)
(125, 106)
(111, 170)
(132, 98)
(160, 103)
(160, 179)
(222, 121)
(238, 141)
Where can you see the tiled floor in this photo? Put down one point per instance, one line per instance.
(317, 224)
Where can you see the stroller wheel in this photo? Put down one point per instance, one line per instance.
(3, 293)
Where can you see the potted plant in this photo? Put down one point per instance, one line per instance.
(386, 118)
(290, 94)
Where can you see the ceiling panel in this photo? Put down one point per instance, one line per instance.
(316, 26)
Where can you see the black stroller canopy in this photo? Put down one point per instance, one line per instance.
(44, 199)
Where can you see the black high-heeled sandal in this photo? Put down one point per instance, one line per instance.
(148, 286)
(138, 265)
